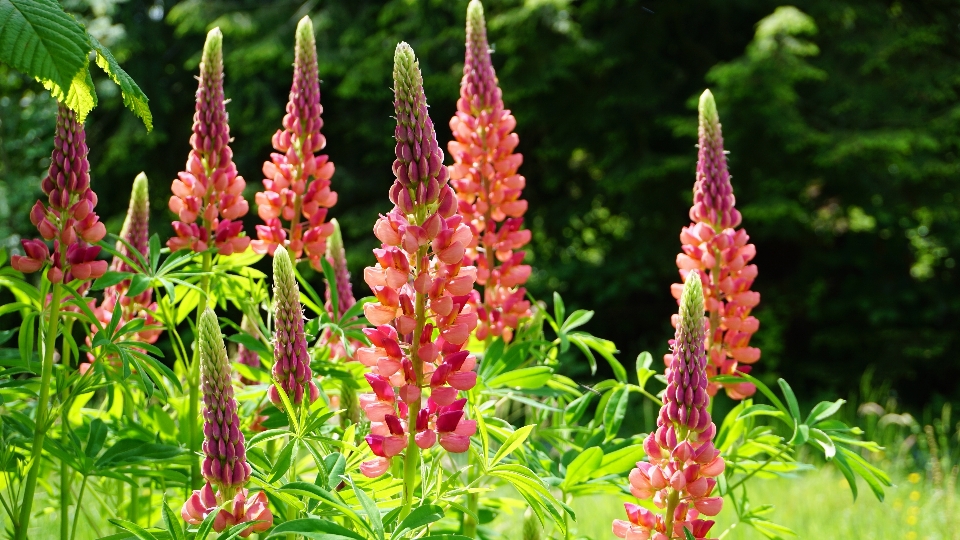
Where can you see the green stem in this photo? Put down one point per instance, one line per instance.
(194, 380)
(411, 458)
(566, 519)
(134, 509)
(65, 477)
(672, 501)
(40, 432)
(76, 511)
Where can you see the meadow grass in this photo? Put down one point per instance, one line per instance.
(817, 505)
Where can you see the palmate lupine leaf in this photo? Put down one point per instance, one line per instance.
(39, 39)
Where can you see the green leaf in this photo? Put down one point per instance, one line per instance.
(41, 40)
(687, 534)
(109, 279)
(577, 319)
(615, 410)
(137, 530)
(529, 377)
(791, 399)
(619, 461)
(823, 410)
(420, 517)
(316, 529)
(559, 311)
(580, 468)
(644, 361)
(512, 443)
(370, 509)
(171, 521)
(133, 97)
(604, 347)
(283, 462)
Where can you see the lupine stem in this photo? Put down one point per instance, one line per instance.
(411, 459)
(42, 405)
(65, 475)
(76, 511)
(672, 501)
(195, 478)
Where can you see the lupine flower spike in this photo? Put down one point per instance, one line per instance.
(297, 183)
(68, 218)
(136, 233)
(421, 283)
(683, 462)
(225, 467)
(208, 195)
(484, 175)
(291, 367)
(337, 257)
(719, 253)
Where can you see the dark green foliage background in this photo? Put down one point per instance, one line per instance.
(843, 146)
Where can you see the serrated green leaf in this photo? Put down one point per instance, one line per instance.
(133, 98)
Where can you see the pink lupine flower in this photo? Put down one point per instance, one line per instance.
(244, 355)
(484, 175)
(225, 466)
(208, 195)
(337, 257)
(297, 183)
(719, 253)
(291, 367)
(68, 218)
(680, 474)
(421, 283)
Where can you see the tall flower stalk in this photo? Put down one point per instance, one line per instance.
(208, 199)
(291, 362)
(421, 284)
(484, 175)
(297, 183)
(680, 474)
(69, 221)
(719, 253)
(225, 467)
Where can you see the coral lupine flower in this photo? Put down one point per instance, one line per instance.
(291, 363)
(719, 253)
(683, 462)
(68, 219)
(136, 232)
(485, 177)
(297, 183)
(225, 465)
(421, 284)
(208, 195)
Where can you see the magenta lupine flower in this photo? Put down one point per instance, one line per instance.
(297, 183)
(421, 283)
(225, 466)
(484, 175)
(291, 362)
(683, 462)
(337, 257)
(68, 218)
(208, 195)
(720, 253)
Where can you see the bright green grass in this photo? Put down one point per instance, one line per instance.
(818, 506)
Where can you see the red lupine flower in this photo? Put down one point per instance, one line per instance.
(225, 464)
(68, 219)
(421, 283)
(208, 195)
(297, 183)
(484, 175)
(680, 474)
(719, 253)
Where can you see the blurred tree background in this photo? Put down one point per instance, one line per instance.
(842, 118)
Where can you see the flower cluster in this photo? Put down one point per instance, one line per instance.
(720, 254)
(136, 233)
(225, 464)
(485, 177)
(337, 257)
(683, 462)
(297, 183)
(421, 284)
(291, 362)
(68, 219)
(208, 195)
